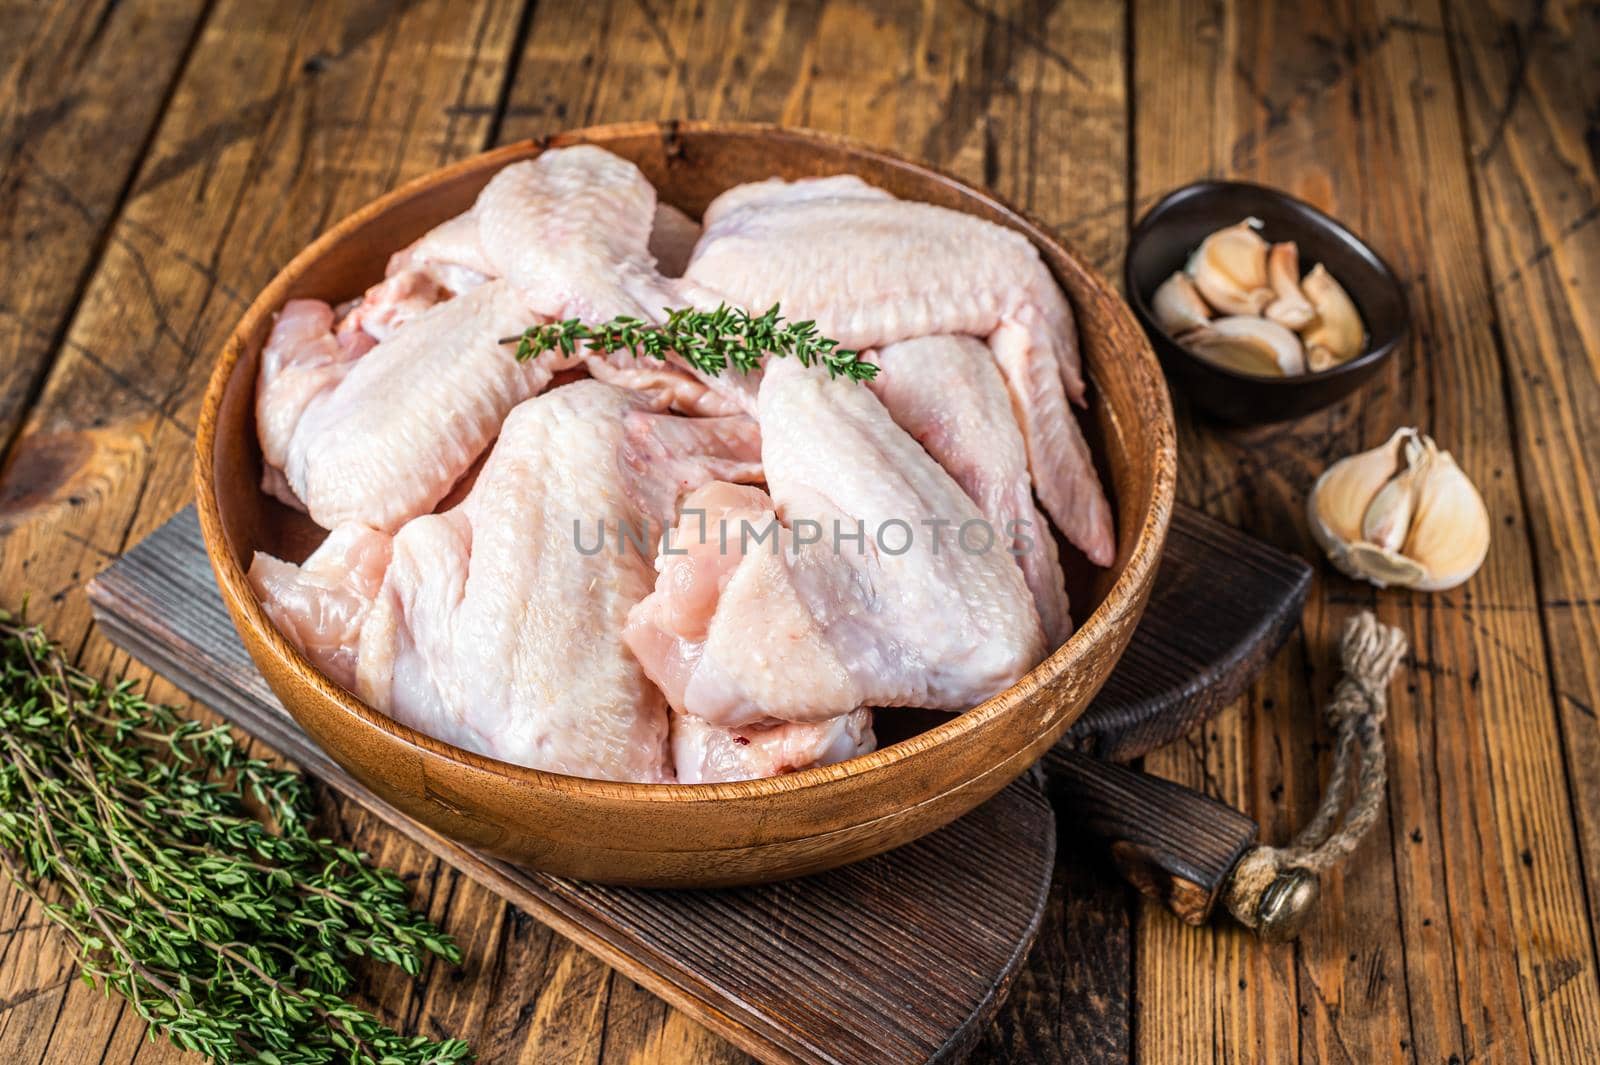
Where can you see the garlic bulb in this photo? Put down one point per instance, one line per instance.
(1248, 344)
(1290, 306)
(1230, 270)
(1402, 514)
(1337, 333)
(1178, 307)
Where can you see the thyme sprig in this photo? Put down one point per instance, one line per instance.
(710, 341)
(187, 875)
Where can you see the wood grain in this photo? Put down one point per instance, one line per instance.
(1173, 844)
(1222, 606)
(160, 601)
(76, 81)
(1528, 86)
(1460, 141)
(1471, 889)
(284, 117)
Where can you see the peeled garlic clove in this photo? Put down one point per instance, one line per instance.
(1338, 328)
(1249, 344)
(1289, 306)
(1177, 305)
(1388, 517)
(1232, 353)
(1230, 270)
(1401, 514)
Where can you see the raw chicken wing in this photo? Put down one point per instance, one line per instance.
(704, 753)
(379, 436)
(497, 625)
(866, 594)
(871, 270)
(947, 394)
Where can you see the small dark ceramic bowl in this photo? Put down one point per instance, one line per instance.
(1172, 229)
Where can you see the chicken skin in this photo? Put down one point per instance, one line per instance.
(497, 625)
(562, 574)
(374, 417)
(872, 270)
(878, 587)
(951, 399)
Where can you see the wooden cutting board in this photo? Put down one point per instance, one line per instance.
(901, 958)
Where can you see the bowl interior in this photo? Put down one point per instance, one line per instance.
(1174, 227)
(1128, 420)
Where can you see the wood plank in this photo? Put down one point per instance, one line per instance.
(1442, 937)
(1213, 994)
(340, 101)
(1526, 80)
(78, 82)
(1025, 98)
(314, 62)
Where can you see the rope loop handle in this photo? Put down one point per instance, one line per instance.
(1272, 888)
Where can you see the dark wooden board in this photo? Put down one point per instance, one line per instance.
(905, 957)
(1222, 605)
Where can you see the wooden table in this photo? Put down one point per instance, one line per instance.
(160, 159)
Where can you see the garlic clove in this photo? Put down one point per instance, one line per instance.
(1232, 353)
(1388, 517)
(1403, 513)
(1340, 499)
(1338, 328)
(1319, 358)
(1450, 530)
(1248, 344)
(1289, 306)
(1230, 270)
(1177, 305)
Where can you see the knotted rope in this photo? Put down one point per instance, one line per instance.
(1370, 652)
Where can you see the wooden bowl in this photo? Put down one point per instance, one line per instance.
(708, 834)
(1174, 227)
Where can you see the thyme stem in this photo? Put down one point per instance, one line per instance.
(709, 341)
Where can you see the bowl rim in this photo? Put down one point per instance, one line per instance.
(1151, 220)
(1122, 597)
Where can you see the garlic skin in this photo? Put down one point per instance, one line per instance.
(1290, 306)
(1402, 514)
(1178, 307)
(1338, 331)
(1319, 358)
(1230, 270)
(1248, 344)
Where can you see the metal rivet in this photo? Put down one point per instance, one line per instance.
(1286, 904)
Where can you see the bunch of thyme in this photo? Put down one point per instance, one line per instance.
(187, 875)
(710, 341)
